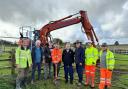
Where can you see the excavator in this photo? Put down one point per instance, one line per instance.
(44, 32)
(67, 21)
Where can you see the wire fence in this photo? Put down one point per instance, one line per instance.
(117, 72)
(120, 51)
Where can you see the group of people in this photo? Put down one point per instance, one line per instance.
(51, 54)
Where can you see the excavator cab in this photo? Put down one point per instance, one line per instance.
(36, 35)
(26, 32)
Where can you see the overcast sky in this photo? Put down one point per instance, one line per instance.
(108, 17)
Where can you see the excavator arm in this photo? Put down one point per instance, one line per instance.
(67, 21)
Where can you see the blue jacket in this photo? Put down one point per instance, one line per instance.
(34, 54)
(79, 55)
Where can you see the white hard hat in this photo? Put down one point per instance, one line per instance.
(89, 41)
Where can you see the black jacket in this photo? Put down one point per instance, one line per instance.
(79, 55)
(47, 54)
(68, 57)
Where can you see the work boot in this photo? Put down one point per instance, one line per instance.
(66, 81)
(71, 81)
(86, 84)
(79, 84)
(106, 87)
(32, 82)
(92, 86)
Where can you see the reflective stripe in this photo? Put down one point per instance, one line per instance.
(55, 61)
(102, 79)
(92, 72)
(87, 71)
(55, 57)
(111, 58)
(108, 80)
(110, 65)
(90, 56)
(20, 57)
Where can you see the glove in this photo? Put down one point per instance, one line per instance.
(80, 64)
(110, 69)
(93, 63)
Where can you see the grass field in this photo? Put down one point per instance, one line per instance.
(121, 61)
(120, 81)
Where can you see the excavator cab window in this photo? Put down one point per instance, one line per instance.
(36, 34)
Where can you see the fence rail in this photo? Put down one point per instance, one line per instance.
(120, 51)
(8, 59)
(116, 71)
(11, 59)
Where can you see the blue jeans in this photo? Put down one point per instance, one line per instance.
(34, 69)
(68, 71)
(79, 69)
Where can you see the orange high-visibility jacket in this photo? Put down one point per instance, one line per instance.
(56, 55)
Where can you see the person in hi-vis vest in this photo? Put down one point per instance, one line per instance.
(107, 62)
(91, 56)
(23, 62)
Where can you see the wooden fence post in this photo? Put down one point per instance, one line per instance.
(13, 61)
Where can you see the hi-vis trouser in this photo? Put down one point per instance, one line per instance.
(90, 74)
(105, 78)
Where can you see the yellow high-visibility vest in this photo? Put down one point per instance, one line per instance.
(23, 57)
(91, 56)
(110, 61)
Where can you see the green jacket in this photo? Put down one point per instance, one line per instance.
(91, 55)
(109, 59)
(23, 57)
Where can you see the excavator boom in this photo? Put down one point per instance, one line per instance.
(67, 21)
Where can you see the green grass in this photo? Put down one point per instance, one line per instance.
(120, 82)
(121, 56)
(9, 83)
(119, 64)
(7, 48)
(4, 56)
(5, 63)
(6, 82)
(4, 71)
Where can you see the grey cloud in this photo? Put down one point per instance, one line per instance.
(33, 12)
